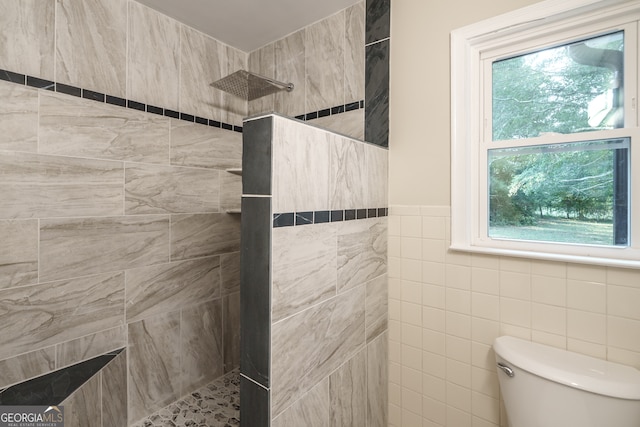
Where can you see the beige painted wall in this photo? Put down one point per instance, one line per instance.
(419, 94)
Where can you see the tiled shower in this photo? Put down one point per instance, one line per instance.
(120, 220)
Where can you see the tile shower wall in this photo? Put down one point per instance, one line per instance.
(144, 249)
(356, 42)
(123, 49)
(113, 220)
(302, 57)
(317, 298)
(446, 308)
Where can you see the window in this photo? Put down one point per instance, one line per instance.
(545, 139)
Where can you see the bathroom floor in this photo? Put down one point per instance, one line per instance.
(215, 405)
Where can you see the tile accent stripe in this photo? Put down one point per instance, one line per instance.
(339, 109)
(38, 83)
(291, 219)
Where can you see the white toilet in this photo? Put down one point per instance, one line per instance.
(547, 387)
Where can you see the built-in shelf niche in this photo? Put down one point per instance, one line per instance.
(234, 171)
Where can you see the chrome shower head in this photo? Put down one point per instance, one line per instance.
(250, 86)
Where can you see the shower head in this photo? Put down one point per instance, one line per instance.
(250, 86)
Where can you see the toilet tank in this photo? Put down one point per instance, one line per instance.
(550, 387)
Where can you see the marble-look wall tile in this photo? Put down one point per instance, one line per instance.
(377, 94)
(27, 37)
(83, 407)
(36, 185)
(153, 57)
(354, 53)
(18, 253)
(156, 189)
(91, 44)
(300, 167)
(95, 245)
(230, 272)
(376, 190)
(262, 62)
(348, 393)
(324, 42)
(204, 146)
(231, 332)
(26, 366)
(93, 345)
(202, 63)
(170, 287)
(310, 345)
(377, 381)
(234, 109)
(304, 262)
(311, 410)
(376, 307)
(18, 112)
(201, 344)
(78, 127)
(200, 235)
(230, 192)
(39, 316)
(290, 68)
(114, 392)
(154, 364)
(362, 251)
(350, 123)
(348, 176)
(378, 20)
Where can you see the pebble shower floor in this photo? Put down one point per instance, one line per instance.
(215, 405)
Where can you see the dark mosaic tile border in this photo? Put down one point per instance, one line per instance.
(56, 386)
(292, 219)
(338, 109)
(52, 86)
(26, 80)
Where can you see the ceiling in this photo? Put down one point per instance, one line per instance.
(248, 24)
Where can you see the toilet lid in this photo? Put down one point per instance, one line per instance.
(572, 369)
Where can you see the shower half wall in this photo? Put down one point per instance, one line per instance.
(313, 277)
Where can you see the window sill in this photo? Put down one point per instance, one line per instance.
(578, 259)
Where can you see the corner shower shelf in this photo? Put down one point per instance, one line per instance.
(234, 171)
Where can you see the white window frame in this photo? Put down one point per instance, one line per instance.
(543, 24)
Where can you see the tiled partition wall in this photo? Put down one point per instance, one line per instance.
(377, 51)
(314, 277)
(446, 308)
(113, 219)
